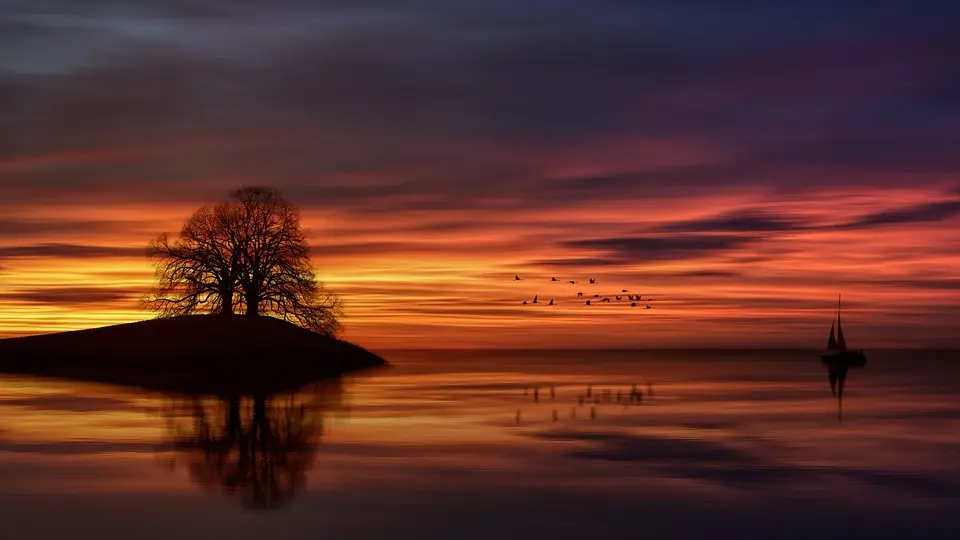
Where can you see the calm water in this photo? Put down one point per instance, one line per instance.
(454, 445)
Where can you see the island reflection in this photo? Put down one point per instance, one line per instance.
(256, 448)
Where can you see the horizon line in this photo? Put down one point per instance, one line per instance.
(660, 349)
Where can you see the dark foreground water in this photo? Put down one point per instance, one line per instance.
(461, 445)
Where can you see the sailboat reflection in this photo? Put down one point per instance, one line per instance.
(837, 371)
(256, 448)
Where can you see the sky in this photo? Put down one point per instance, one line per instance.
(740, 162)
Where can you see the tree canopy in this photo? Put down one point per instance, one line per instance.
(249, 254)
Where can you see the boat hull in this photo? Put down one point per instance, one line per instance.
(849, 358)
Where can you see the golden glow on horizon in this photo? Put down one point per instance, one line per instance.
(444, 278)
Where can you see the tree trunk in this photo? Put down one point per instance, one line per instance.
(253, 303)
(226, 303)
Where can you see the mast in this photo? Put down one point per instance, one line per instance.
(841, 343)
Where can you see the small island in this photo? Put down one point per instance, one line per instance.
(247, 254)
(201, 354)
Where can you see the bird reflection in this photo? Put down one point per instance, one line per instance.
(256, 448)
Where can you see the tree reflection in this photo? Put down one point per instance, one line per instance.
(257, 448)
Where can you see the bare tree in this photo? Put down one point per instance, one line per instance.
(249, 253)
(199, 271)
(278, 275)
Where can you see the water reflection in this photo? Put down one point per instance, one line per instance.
(257, 448)
(720, 439)
(837, 372)
(256, 445)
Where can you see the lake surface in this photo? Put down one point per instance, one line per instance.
(473, 445)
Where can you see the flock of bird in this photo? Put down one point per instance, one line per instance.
(635, 300)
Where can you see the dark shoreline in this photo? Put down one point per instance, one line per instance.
(200, 354)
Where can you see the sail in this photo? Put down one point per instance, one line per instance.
(832, 344)
(841, 343)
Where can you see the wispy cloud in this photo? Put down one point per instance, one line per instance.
(736, 222)
(18, 229)
(921, 213)
(71, 295)
(639, 248)
(70, 251)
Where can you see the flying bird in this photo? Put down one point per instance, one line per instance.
(551, 302)
(554, 279)
(579, 295)
(606, 300)
(619, 298)
(572, 282)
(535, 299)
(649, 307)
(516, 277)
(625, 290)
(593, 281)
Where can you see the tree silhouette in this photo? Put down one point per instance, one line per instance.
(199, 271)
(249, 253)
(277, 274)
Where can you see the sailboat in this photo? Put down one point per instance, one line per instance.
(837, 351)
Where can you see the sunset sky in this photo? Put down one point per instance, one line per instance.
(741, 162)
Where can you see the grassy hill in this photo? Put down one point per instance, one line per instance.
(194, 354)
